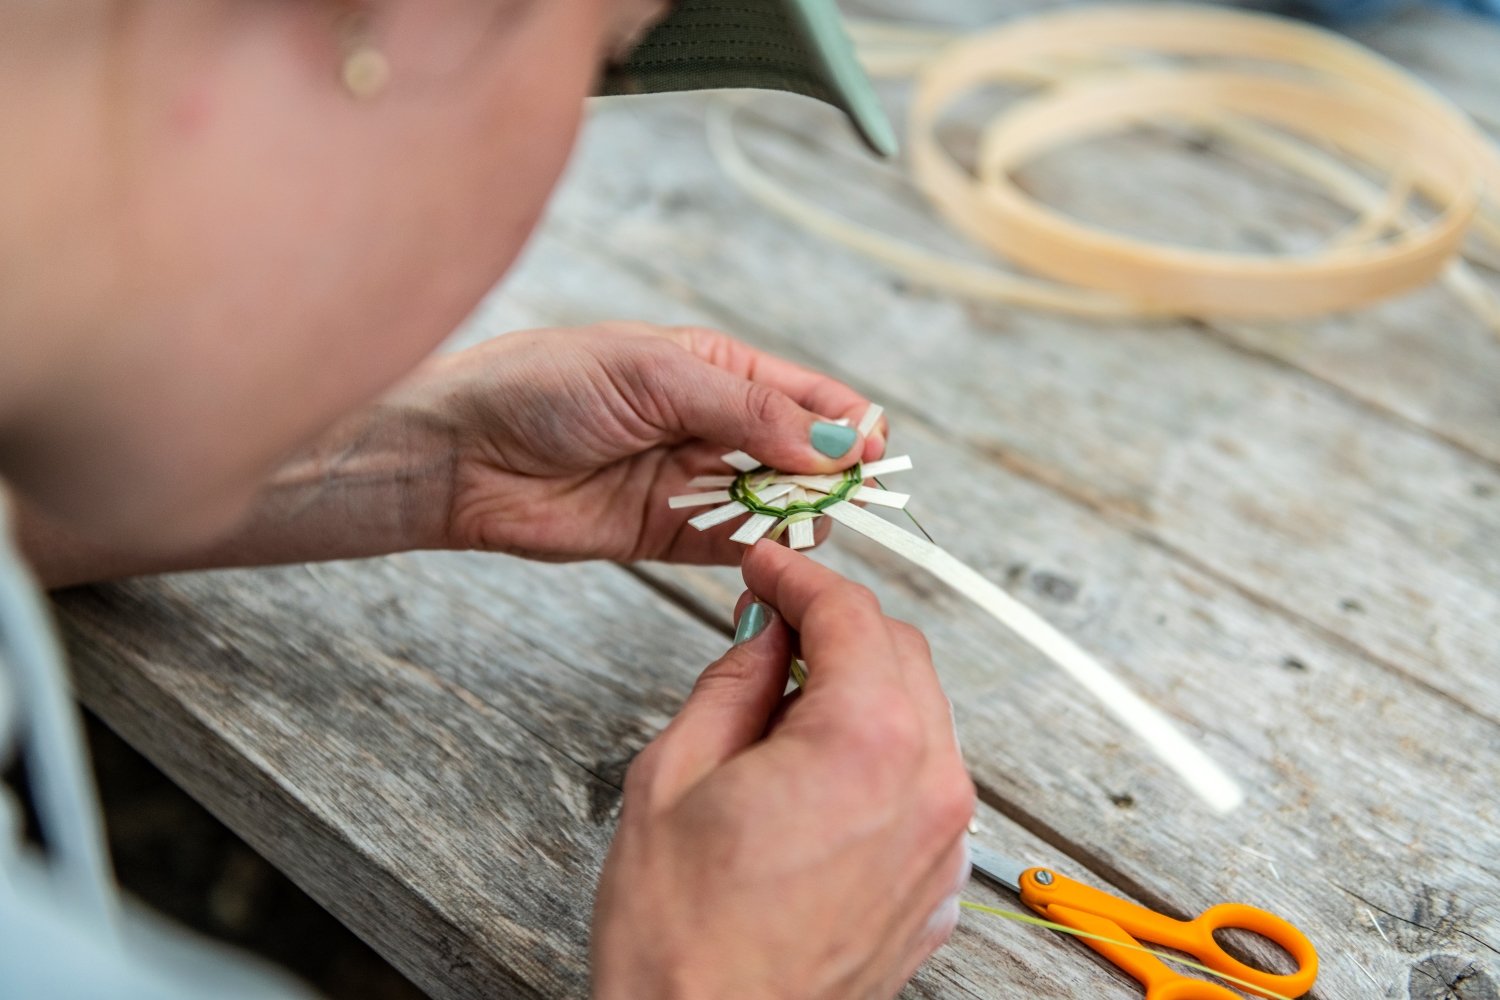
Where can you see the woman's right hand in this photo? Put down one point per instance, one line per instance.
(812, 847)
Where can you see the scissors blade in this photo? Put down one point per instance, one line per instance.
(1000, 870)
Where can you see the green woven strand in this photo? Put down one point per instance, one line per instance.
(743, 489)
(909, 514)
(1026, 918)
(799, 675)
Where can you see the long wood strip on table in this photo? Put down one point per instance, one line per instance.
(1202, 775)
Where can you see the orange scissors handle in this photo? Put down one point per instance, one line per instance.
(1086, 909)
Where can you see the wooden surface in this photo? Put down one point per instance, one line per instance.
(1288, 537)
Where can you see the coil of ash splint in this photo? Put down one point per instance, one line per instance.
(1284, 89)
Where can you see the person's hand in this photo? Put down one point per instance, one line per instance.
(552, 444)
(569, 442)
(811, 847)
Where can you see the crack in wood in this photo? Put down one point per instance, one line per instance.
(1450, 977)
(1437, 931)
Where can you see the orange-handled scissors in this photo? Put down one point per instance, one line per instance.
(1063, 901)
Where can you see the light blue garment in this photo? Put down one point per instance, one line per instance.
(64, 932)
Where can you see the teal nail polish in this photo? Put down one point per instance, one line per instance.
(833, 439)
(752, 622)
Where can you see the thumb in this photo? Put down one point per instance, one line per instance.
(731, 703)
(757, 418)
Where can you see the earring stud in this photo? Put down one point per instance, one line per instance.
(365, 70)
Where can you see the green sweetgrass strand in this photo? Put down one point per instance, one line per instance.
(909, 514)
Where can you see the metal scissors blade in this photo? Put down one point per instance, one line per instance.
(1000, 870)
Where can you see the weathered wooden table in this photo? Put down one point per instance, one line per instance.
(1287, 536)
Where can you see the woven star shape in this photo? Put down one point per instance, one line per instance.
(774, 503)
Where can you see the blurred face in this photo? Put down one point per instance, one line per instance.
(217, 250)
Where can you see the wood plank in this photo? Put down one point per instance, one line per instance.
(1369, 527)
(432, 746)
(418, 742)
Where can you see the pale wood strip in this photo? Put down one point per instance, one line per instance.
(822, 484)
(882, 498)
(719, 515)
(800, 534)
(754, 528)
(1147, 722)
(775, 491)
(886, 466)
(698, 499)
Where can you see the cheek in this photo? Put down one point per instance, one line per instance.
(292, 252)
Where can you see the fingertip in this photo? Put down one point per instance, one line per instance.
(763, 564)
(767, 552)
(763, 549)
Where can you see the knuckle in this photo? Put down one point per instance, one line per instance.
(730, 671)
(862, 597)
(890, 732)
(763, 404)
(952, 801)
(666, 356)
(912, 640)
(694, 335)
(706, 343)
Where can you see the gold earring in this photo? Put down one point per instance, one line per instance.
(365, 70)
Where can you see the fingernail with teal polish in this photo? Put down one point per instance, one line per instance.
(833, 439)
(752, 622)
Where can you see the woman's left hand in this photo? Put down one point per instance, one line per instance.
(569, 442)
(551, 444)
